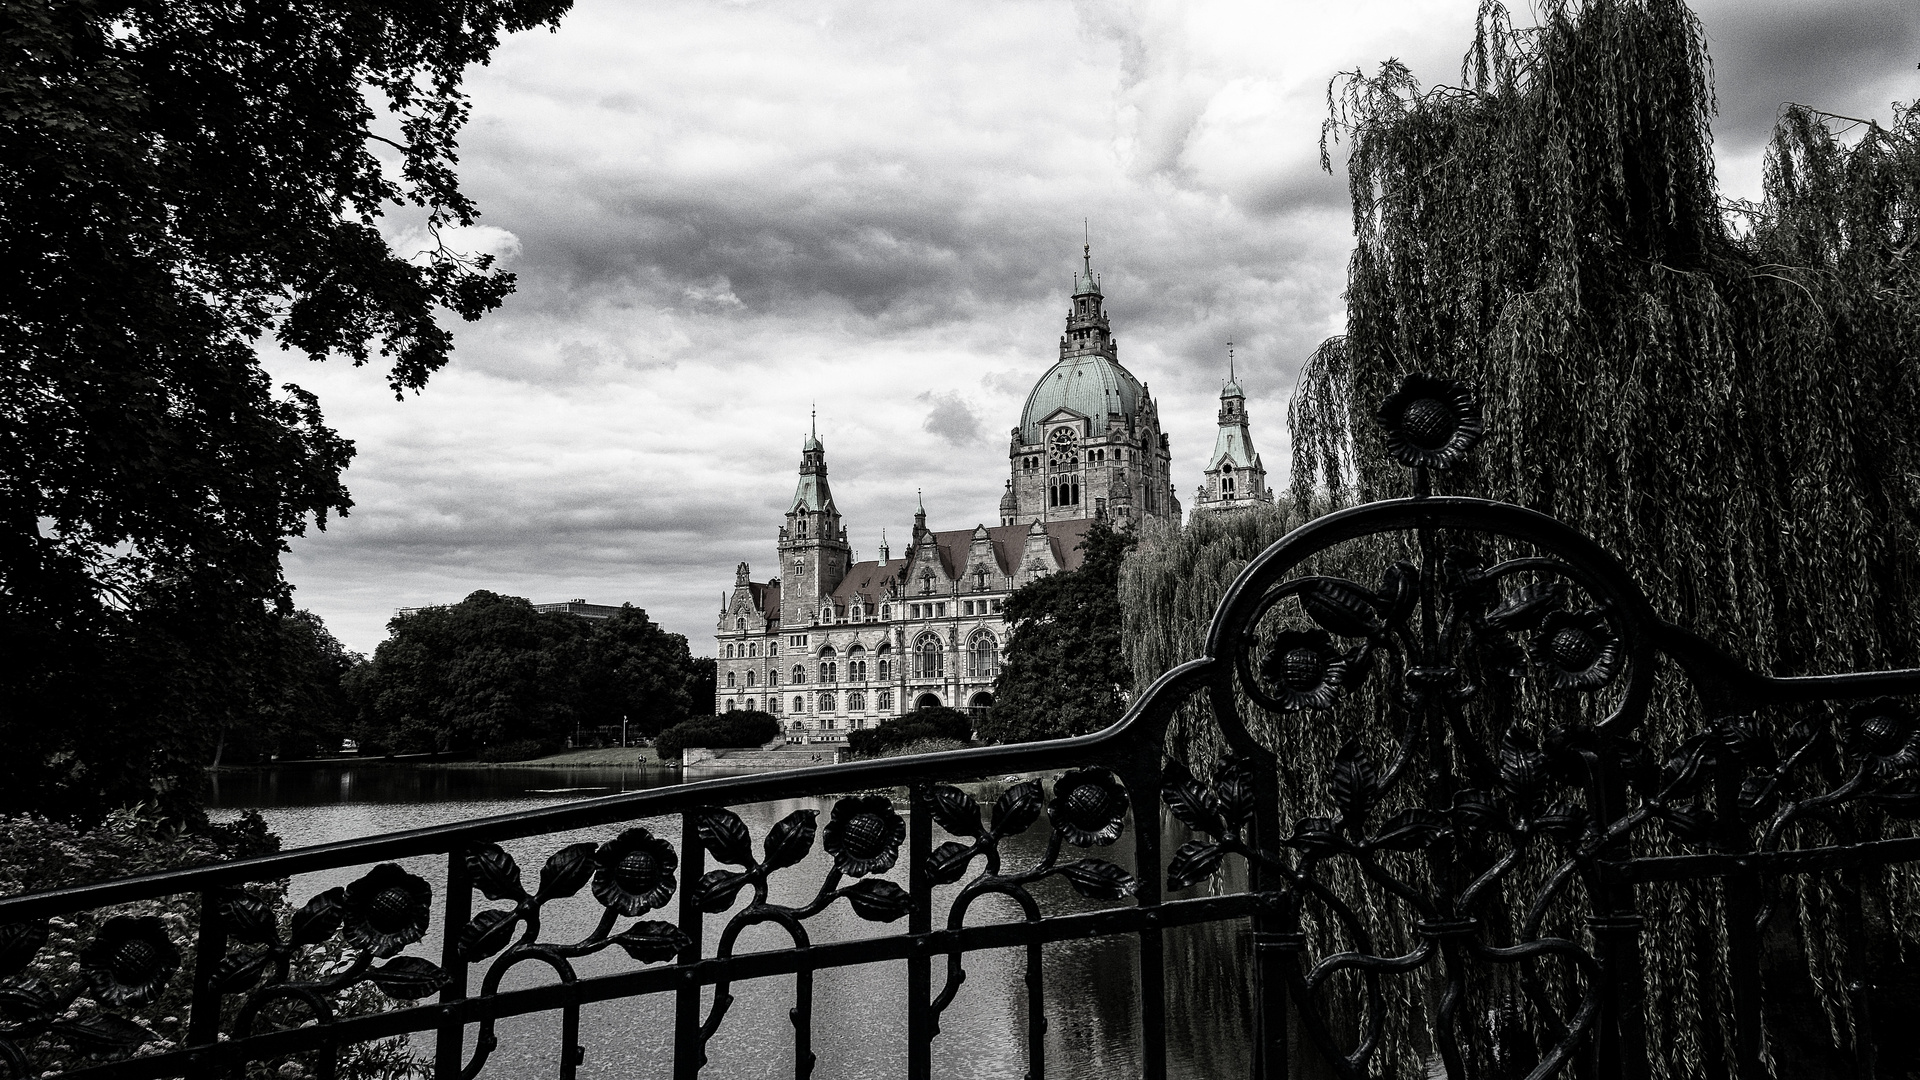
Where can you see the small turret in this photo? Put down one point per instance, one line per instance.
(1235, 475)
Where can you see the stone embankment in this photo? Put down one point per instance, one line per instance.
(798, 757)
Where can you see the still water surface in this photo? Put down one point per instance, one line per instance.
(859, 1018)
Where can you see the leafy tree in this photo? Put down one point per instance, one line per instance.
(1064, 674)
(301, 703)
(491, 671)
(181, 181)
(630, 669)
(465, 676)
(923, 725)
(703, 681)
(1724, 395)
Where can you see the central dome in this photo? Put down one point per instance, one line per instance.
(1091, 384)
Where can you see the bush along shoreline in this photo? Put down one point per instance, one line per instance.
(37, 854)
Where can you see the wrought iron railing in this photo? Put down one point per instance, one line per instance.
(1493, 817)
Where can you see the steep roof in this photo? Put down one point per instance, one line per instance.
(868, 580)
(1009, 543)
(1234, 446)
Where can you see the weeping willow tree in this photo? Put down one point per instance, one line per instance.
(1722, 393)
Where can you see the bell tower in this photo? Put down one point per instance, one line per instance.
(1235, 475)
(814, 553)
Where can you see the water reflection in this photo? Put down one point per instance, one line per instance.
(859, 1015)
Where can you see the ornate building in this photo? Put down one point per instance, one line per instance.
(1235, 476)
(829, 644)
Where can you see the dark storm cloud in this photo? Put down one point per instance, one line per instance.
(1851, 58)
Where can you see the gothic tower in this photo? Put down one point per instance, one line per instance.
(1235, 475)
(1089, 442)
(814, 554)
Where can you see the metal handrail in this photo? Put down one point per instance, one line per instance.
(607, 810)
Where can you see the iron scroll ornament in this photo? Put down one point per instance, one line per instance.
(1476, 795)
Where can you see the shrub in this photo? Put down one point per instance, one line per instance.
(36, 854)
(951, 728)
(727, 731)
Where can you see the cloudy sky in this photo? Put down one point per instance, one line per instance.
(723, 212)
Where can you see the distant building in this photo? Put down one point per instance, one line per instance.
(829, 644)
(580, 608)
(1235, 476)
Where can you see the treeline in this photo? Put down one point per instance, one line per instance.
(489, 675)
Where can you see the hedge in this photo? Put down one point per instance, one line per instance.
(728, 730)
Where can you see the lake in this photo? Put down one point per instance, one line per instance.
(859, 1019)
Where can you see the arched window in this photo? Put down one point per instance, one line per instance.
(927, 657)
(753, 649)
(773, 705)
(730, 705)
(799, 704)
(799, 673)
(885, 654)
(752, 676)
(857, 700)
(829, 671)
(729, 678)
(886, 701)
(749, 701)
(856, 613)
(729, 653)
(826, 701)
(983, 654)
(739, 624)
(857, 664)
(773, 676)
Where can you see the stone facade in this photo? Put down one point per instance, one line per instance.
(831, 645)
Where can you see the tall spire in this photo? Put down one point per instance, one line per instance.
(1084, 283)
(813, 433)
(1229, 361)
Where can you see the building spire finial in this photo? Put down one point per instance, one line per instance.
(813, 420)
(1230, 361)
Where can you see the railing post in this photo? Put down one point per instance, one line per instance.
(1277, 941)
(919, 921)
(1143, 787)
(1741, 890)
(1620, 1039)
(689, 1055)
(449, 1038)
(209, 949)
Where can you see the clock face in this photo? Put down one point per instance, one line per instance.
(1063, 448)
